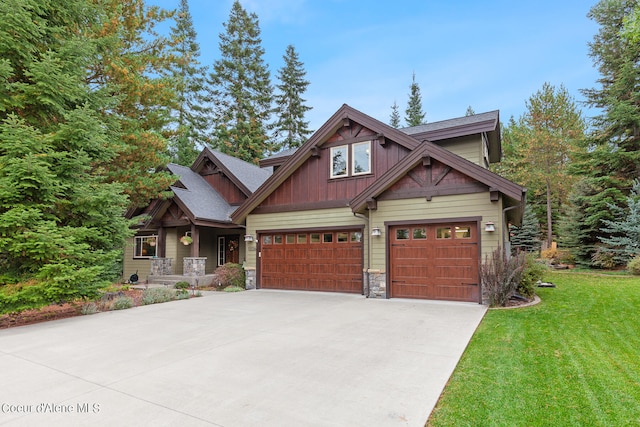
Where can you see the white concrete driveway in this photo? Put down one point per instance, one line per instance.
(256, 358)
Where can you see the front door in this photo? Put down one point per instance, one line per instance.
(228, 249)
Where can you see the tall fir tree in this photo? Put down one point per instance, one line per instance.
(394, 118)
(612, 150)
(414, 116)
(469, 112)
(623, 233)
(241, 89)
(191, 119)
(291, 128)
(526, 237)
(62, 227)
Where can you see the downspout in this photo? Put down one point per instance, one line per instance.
(366, 220)
(505, 237)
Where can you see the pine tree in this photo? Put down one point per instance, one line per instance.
(241, 90)
(394, 119)
(191, 121)
(135, 67)
(469, 112)
(527, 236)
(612, 150)
(413, 114)
(62, 227)
(291, 128)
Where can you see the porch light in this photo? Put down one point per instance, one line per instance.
(489, 226)
(248, 238)
(375, 231)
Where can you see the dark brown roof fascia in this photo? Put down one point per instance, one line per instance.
(211, 156)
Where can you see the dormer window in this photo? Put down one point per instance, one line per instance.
(351, 160)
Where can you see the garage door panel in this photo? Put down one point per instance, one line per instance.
(436, 264)
(319, 261)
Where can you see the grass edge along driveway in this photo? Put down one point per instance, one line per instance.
(572, 360)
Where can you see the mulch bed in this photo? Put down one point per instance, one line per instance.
(58, 311)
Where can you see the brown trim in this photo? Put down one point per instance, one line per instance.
(302, 207)
(434, 221)
(208, 154)
(430, 192)
(310, 229)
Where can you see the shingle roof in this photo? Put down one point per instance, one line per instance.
(202, 201)
(248, 174)
(490, 116)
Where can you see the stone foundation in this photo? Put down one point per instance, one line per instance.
(193, 266)
(376, 284)
(161, 266)
(250, 278)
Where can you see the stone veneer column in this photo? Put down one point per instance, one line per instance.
(377, 284)
(193, 266)
(161, 266)
(250, 278)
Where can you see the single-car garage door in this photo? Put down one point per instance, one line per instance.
(435, 261)
(313, 261)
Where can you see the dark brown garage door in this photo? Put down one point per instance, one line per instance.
(312, 261)
(435, 261)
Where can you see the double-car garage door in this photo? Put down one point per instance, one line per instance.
(430, 261)
(325, 260)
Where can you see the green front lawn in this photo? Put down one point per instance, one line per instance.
(572, 360)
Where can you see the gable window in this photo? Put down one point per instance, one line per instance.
(339, 161)
(145, 246)
(361, 158)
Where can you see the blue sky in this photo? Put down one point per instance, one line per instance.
(490, 55)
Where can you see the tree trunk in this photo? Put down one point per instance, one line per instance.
(549, 217)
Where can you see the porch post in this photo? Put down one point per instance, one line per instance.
(195, 246)
(162, 242)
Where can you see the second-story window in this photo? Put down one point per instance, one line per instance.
(361, 158)
(339, 161)
(351, 160)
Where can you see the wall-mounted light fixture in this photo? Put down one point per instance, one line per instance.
(248, 238)
(489, 226)
(375, 231)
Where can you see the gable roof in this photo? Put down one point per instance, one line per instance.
(196, 197)
(454, 128)
(246, 176)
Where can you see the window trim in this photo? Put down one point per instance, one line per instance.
(346, 165)
(353, 158)
(136, 246)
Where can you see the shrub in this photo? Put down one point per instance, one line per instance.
(602, 258)
(182, 294)
(182, 285)
(89, 308)
(122, 303)
(157, 295)
(231, 274)
(633, 266)
(533, 272)
(501, 275)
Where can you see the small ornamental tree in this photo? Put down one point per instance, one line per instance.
(623, 239)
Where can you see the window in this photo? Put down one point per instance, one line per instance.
(145, 246)
(361, 158)
(315, 237)
(356, 237)
(221, 252)
(339, 161)
(343, 237)
(327, 237)
(277, 239)
(463, 232)
(402, 234)
(443, 233)
(291, 239)
(302, 238)
(419, 233)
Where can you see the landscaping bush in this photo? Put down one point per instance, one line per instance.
(182, 294)
(122, 303)
(182, 285)
(501, 275)
(633, 266)
(533, 272)
(157, 295)
(231, 274)
(603, 258)
(89, 308)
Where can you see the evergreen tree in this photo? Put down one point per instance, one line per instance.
(527, 236)
(394, 119)
(469, 112)
(241, 90)
(135, 68)
(291, 128)
(191, 121)
(623, 233)
(62, 227)
(413, 114)
(612, 151)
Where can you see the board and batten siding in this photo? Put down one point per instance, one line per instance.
(441, 207)
(336, 217)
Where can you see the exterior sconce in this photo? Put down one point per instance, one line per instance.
(248, 238)
(375, 231)
(489, 226)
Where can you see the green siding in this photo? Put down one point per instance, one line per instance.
(469, 148)
(458, 206)
(131, 265)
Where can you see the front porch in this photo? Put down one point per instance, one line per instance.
(194, 272)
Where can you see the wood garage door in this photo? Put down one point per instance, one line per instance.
(435, 261)
(312, 261)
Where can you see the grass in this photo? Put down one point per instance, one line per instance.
(572, 360)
